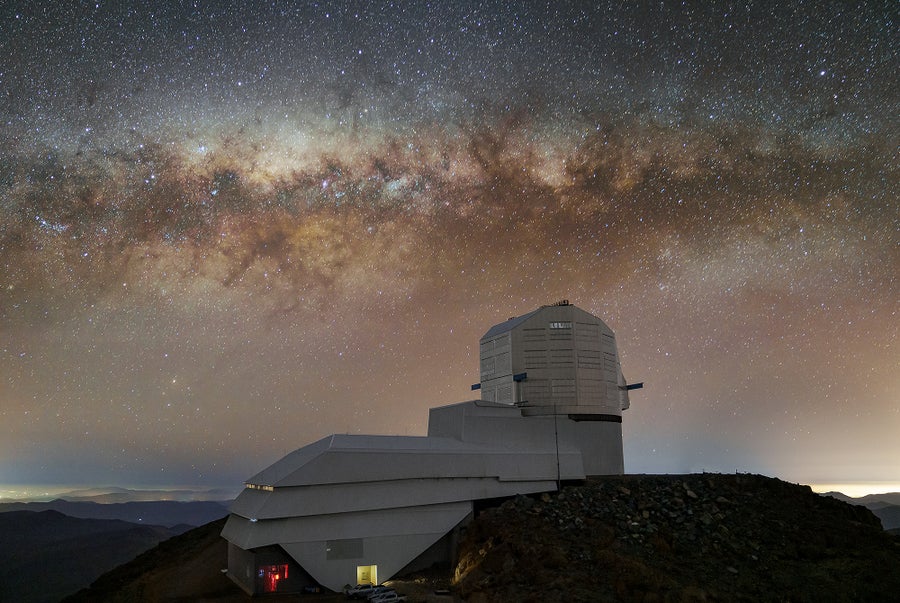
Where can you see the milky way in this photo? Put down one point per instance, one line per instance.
(226, 231)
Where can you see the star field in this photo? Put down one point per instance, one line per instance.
(229, 229)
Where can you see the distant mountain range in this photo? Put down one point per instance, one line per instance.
(885, 507)
(46, 555)
(155, 512)
(51, 549)
(113, 494)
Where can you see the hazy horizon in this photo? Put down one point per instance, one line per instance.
(41, 492)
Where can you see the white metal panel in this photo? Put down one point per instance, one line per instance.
(535, 359)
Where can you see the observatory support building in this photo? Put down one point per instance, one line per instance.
(351, 509)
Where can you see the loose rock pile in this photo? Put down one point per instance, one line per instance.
(704, 537)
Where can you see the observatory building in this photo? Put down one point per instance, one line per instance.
(352, 509)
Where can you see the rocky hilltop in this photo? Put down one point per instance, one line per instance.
(706, 537)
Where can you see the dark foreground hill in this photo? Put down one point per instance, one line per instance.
(184, 568)
(635, 538)
(46, 555)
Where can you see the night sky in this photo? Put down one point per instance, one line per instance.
(230, 229)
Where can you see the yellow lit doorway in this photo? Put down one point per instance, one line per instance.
(367, 574)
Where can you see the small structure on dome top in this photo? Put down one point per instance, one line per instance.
(352, 509)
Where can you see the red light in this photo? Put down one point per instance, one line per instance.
(271, 575)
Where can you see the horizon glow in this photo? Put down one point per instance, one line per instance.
(41, 492)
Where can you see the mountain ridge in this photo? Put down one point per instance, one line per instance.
(885, 506)
(119, 494)
(156, 512)
(888, 498)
